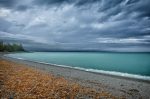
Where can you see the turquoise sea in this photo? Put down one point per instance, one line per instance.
(122, 63)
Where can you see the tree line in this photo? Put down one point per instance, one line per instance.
(13, 47)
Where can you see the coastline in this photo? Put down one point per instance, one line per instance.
(114, 84)
(135, 75)
(115, 74)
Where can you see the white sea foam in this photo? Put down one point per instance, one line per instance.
(114, 73)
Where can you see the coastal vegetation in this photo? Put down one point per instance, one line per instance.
(13, 47)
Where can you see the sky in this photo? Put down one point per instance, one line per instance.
(102, 25)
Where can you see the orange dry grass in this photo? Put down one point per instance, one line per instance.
(21, 82)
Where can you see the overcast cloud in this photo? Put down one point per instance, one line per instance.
(111, 25)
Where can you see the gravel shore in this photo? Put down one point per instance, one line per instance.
(117, 86)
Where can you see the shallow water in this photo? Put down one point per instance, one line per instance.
(132, 63)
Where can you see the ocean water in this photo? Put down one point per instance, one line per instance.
(121, 63)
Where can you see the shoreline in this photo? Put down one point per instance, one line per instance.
(114, 84)
(135, 77)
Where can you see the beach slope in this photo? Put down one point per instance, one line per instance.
(69, 81)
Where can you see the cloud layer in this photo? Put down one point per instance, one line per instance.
(113, 25)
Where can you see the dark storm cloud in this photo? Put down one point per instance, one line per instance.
(7, 3)
(84, 2)
(17, 5)
(79, 2)
(60, 2)
(50, 2)
(132, 1)
(22, 8)
(77, 24)
(139, 6)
